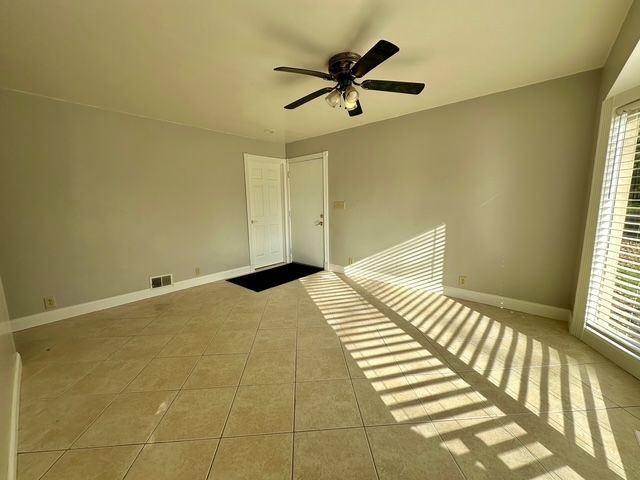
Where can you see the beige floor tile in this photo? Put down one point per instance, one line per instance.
(143, 308)
(261, 409)
(448, 396)
(388, 401)
(163, 374)
(147, 346)
(247, 308)
(231, 341)
(484, 448)
(109, 463)
(275, 339)
(129, 419)
(326, 404)
(610, 381)
(110, 376)
(87, 350)
(195, 414)
(204, 324)
(590, 445)
(355, 371)
(317, 338)
(174, 461)
(186, 345)
(123, 327)
(270, 367)
(306, 321)
(31, 466)
(30, 367)
(165, 325)
(613, 433)
(332, 454)
(548, 389)
(217, 371)
(55, 379)
(411, 452)
(321, 364)
(635, 411)
(267, 457)
(53, 424)
(279, 318)
(242, 320)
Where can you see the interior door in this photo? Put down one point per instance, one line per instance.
(265, 209)
(307, 211)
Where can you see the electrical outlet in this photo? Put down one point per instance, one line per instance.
(197, 271)
(49, 302)
(349, 260)
(462, 281)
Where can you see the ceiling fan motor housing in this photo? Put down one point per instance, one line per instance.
(340, 67)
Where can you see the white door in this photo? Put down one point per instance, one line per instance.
(263, 177)
(306, 193)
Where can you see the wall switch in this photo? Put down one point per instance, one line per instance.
(340, 204)
(197, 271)
(49, 302)
(462, 281)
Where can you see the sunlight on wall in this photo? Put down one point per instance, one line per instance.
(416, 263)
(509, 393)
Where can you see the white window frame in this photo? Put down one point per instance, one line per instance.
(626, 359)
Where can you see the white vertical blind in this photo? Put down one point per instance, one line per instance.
(613, 301)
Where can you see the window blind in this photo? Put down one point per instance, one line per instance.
(613, 299)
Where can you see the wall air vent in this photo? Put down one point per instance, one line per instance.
(161, 280)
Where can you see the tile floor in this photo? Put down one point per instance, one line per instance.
(322, 378)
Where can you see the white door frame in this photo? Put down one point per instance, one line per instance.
(324, 156)
(285, 203)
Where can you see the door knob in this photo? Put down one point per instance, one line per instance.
(319, 222)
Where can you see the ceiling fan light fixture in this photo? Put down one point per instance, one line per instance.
(350, 105)
(333, 99)
(350, 95)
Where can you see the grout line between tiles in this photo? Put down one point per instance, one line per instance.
(295, 394)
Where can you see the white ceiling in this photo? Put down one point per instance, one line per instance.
(208, 63)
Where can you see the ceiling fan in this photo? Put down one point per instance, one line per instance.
(344, 69)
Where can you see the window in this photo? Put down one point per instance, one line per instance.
(613, 300)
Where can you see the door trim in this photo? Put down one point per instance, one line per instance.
(324, 156)
(284, 191)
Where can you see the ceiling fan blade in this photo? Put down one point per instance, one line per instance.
(355, 111)
(311, 96)
(391, 86)
(374, 57)
(303, 71)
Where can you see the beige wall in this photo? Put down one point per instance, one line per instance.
(92, 203)
(621, 50)
(506, 174)
(7, 365)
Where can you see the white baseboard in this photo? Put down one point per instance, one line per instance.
(525, 306)
(539, 309)
(97, 305)
(15, 412)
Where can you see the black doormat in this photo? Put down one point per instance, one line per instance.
(272, 277)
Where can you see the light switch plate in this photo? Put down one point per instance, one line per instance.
(340, 204)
